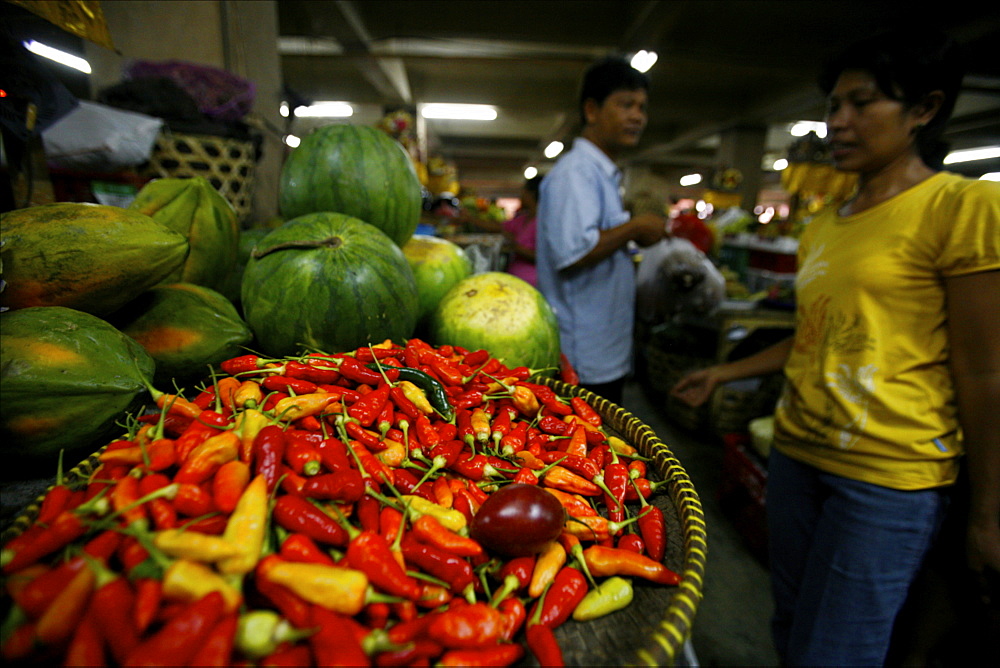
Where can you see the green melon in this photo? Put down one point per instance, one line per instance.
(355, 170)
(88, 257)
(327, 281)
(66, 377)
(438, 264)
(500, 313)
(192, 207)
(185, 328)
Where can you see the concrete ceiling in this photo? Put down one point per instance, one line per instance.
(722, 65)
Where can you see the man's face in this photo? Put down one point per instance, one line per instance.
(618, 122)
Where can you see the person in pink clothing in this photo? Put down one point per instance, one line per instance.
(520, 233)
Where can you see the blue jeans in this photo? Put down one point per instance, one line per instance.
(843, 554)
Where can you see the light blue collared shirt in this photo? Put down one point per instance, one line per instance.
(595, 306)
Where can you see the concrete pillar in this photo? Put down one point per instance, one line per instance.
(742, 148)
(241, 37)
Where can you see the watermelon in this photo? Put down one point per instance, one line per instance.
(438, 264)
(88, 257)
(327, 281)
(234, 281)
(355, 170)
(185, 328)
(67, 378)
(192, 207)
(500, 313)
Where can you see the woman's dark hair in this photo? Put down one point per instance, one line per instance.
(907, 66)
(607, 76)
(533, 184)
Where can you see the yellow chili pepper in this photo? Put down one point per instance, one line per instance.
(480, 422)
(525, 401)
(187, 580)
(336, 588)
(293, 408)
(248, 393)
(194, 545)
(613, 594)
(620, 446)
(417, 396)
(450, 518)
(549, 562)
(246, 528)
(202, 462)
(249, 422)
(393, 455)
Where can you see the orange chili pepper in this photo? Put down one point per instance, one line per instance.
(206, 459)
(548, 563)
(427, 529)
(565, 480)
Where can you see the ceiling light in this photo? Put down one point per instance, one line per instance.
(802, 128)
(283, 109)
(553, 149)
(292, 140)
(643, 60)
(690, 180)
(61, 57)
(990, 176)
(325, 110)
(530, 172)
(779, 164)
(984, 153)
(458, 112)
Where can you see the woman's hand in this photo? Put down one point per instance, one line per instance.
(695, 388)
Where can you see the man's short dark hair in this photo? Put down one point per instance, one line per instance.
(608, 76)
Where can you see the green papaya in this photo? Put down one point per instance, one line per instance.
(184, 327)
(193, 208)
(88, 257)
(66, 378)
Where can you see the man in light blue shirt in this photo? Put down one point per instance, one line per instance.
(584, 268)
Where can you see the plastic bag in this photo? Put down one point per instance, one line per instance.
(675, 277)
(98, 138)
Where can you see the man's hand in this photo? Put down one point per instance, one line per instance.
(648, 228)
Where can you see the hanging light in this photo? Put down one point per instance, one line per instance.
(61, 57)
(553, 149)
(458, 112)
(644, 60)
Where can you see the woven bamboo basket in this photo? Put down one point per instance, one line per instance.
(653, 629)
(228, 164)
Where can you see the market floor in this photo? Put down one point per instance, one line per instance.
(731, 627)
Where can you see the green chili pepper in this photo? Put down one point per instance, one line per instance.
(613, 594)
(434, 390)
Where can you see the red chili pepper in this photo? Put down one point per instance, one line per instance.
(111, 605)
(268, 454)
(408, 483)
(302, 456)
(57, 623)
(335, 643)
(632, 542)
(332, 453)
(193, 500)
(63, 530)
(207, 424)
(454, 570)
(242, 364)
(345, 485)
(354, 370)
(374, 471)
(370, 553)
(317, 371)
(288, 385)
(653, 528)
(300, 547)
(229, 483)
(466, 626)
(148, 595)
(543, 644)
(429, 530)
(366, 409)
(181, 637)
(55, 502)
(369, 438)
(288, 656)
(296, 514)
(504, 654)
(585, 411)
(550, 424)
(217, 649)
(582, 466)
(607, 561)
(86, 648)
(567, 590)
(514, 615)
(616, 479)
(124, 496)
(368, 354)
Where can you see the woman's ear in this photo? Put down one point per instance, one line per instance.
(925, 110)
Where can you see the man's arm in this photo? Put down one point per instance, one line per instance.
(645, 229)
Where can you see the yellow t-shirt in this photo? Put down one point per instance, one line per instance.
(869, 393)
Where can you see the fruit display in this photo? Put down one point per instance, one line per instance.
(193, 208)
(185, 328)
(330, 282)
(357, 171)
(503, 314)
(234, 282)
(67, 377)
(395, 504)
(437, 264)
(88, 257)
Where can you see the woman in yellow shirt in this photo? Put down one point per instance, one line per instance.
(893, 373)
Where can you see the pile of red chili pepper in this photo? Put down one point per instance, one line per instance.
(316, 511)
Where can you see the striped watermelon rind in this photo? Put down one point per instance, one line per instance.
(327, 281)
(355, 170)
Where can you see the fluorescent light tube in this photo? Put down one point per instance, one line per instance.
(458, 112)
